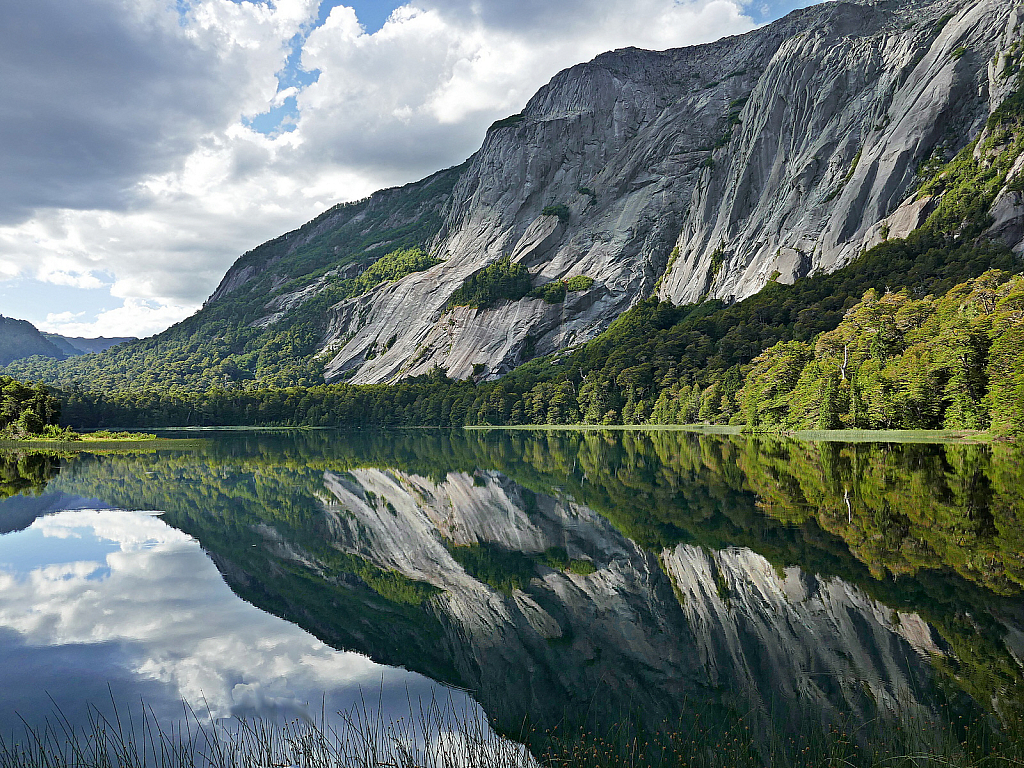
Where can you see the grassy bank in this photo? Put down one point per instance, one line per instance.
(964, 436)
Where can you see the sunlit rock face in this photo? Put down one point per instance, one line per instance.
(690, 173)
(643, 632)
(831, 138)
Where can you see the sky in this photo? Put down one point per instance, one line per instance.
(146, 144)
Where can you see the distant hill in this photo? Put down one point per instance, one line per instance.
(19, 338)
(77, 345)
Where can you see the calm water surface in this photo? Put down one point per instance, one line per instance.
(603, 576)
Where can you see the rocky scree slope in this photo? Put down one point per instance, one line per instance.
(690, 173)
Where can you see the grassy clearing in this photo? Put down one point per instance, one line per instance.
(148, 443)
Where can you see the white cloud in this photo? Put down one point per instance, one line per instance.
(136, 317)
(63, 317)
(74, 279)
(140, 164)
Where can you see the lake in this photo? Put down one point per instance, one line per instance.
(595, 584)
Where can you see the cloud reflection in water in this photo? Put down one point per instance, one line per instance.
(98, 598)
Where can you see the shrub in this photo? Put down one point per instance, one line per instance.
(559, 209)
(507, 122)
(579, 283)
(500, 281)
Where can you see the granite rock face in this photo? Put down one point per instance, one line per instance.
(689, 173)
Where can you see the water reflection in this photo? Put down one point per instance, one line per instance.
(617, 575)
(106, 604)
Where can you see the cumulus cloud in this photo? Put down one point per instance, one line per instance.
(136, 317)
(128, 134)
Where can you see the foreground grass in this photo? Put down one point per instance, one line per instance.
(440, 735)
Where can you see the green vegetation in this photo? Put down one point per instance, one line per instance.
(559, 209)
(582, 567)
(554, 292)
(26, 472)
(579, 283)
(26, 409)
(956, 362)
(391, 267)
(500, 281)
(504, 569)
(506, 122)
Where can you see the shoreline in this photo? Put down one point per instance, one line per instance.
(963, 436)
(88, 445)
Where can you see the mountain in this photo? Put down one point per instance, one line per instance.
(77, 345)
(697, 173)
(19, 338)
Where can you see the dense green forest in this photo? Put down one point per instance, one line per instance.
(921, 332)
(26, 409)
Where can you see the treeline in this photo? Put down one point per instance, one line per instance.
(26, 409)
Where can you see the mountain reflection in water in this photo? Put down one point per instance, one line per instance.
(630, 574)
